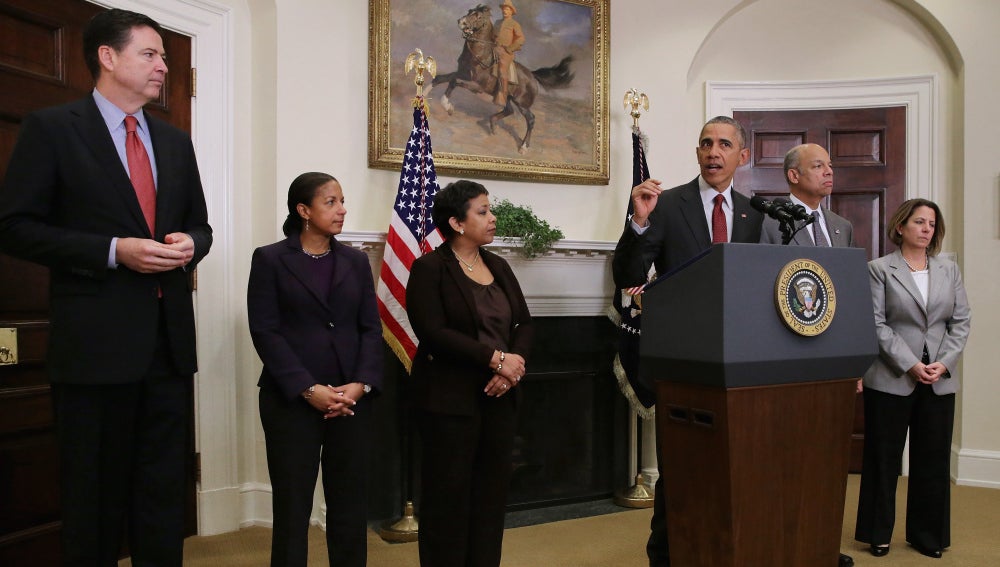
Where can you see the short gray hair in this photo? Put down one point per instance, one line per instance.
(793, 159)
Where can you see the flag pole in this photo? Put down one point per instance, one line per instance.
(639, 494)
(406, 527)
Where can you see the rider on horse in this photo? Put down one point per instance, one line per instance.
(509, 38)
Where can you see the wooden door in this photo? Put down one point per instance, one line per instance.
(41, 64)
(868, 150)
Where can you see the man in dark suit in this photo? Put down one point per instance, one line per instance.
(809, 173)
(670, 227)
(110, 199)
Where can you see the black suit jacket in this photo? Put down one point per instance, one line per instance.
(305, 335)
(66, 194)
(451, 366)
(677, 232)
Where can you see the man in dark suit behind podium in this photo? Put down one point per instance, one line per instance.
(110, 200)
(670, 227)
(809, 173)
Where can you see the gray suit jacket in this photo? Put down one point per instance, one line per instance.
(904, 325)
(841, 232)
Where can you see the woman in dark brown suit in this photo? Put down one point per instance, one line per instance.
(475, 331)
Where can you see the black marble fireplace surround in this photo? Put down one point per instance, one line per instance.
(572, 435)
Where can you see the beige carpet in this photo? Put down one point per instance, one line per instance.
(618, 539)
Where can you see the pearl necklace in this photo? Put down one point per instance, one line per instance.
(912, 269)
(468, 265)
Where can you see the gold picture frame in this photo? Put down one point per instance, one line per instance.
(569, 139)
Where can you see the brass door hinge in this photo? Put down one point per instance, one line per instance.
(194, 82)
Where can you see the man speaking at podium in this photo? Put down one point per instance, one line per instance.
(670, 227)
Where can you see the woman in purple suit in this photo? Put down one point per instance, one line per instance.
(315, 325)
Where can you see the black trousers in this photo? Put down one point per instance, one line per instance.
(123, 450)
(298, 440)
(930, 419)
(657, 547)
(465, 475)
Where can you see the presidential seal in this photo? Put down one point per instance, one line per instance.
(805, 297)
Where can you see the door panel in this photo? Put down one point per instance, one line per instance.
(868, 150)
(41, 64)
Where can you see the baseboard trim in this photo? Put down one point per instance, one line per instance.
(217, 511)
(255, 505)
(972, 467)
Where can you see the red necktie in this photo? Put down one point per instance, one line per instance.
(141, 173)
(719, 222)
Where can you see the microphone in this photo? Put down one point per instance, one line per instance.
(797, 212)
(773, 209)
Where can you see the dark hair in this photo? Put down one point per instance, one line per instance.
(453, 201)
(741, 133)
(114, 29)
(302, 190)
(902, 216)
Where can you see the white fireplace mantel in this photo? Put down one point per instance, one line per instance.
(573, 279)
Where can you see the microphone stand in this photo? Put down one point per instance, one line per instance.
(788, 229)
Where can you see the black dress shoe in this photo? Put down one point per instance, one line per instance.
(935, 553)
(878, 551)
(845, 561)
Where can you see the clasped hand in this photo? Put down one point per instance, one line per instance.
(148, 256)
(336, 401)
(928, 373)
(508, 377)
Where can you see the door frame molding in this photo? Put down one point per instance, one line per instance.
(919, 94)
(217, 305)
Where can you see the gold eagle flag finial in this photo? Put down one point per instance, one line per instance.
(416, 61)
(633, 101)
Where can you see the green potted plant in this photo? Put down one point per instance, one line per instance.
(516, 221)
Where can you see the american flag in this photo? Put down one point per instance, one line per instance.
(411, 234)
(626, 311)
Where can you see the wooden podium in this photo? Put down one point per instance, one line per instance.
(754, 420)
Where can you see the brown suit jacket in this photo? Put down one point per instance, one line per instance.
(451, 366)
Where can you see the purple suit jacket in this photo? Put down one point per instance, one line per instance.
(304, 338)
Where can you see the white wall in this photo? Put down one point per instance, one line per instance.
(976, 174)
(301, 98)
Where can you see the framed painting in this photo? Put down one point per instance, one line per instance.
(551, 126)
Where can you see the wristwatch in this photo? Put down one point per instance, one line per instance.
(366, 387)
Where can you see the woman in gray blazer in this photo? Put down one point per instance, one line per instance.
(922, 321)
